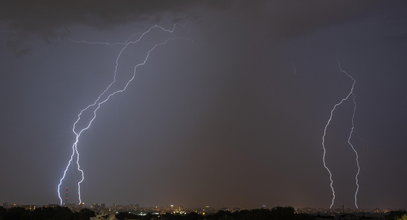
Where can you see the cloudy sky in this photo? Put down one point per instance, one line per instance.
(229, 113)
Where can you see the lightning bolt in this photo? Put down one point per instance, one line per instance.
(344, 99)
(350, 138)
(99, 101)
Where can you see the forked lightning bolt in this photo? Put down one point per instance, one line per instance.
(95, 106)
(344, 99)
(350, 138)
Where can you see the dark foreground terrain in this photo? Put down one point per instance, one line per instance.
(278, 213)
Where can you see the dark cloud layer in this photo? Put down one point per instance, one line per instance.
(279, 19)
(285, 18)
(48, 16)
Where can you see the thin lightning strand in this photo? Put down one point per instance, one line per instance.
(353, 148)
(356, 154)
(110, 44)
(99, 103)
(98, 42)
(350, 93)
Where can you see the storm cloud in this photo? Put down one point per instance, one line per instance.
(232, 117)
